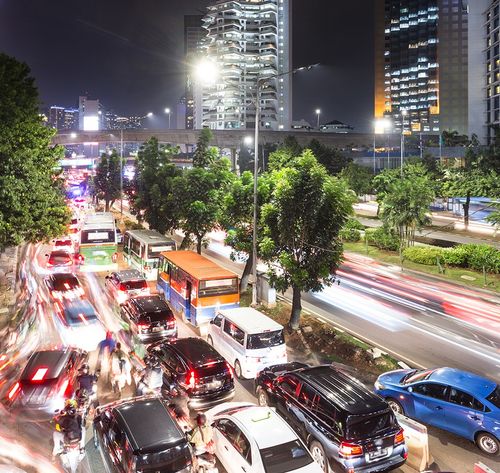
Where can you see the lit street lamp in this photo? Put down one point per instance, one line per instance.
(318, 113)
(149, 114)
(167, 111)
(261, 83)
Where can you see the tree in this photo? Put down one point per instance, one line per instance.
(359, 178)
(301, 225)
(284, 154)
(152, 189)
(204, 155)
(107, 179)
(198, 195)
(406, 205)
(32, 206)
(237, 218)
(332, 158)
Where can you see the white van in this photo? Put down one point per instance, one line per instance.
(248, 339)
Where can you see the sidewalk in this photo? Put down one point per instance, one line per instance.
(452, 231)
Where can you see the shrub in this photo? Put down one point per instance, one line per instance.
(131, 225)
(483, 256)
(351, 231)
(424, 254)
(457, 256)
(383, 238)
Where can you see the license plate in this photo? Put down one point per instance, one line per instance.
(377, 454)
(213, 385)
(157, 329)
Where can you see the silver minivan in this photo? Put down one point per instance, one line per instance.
(248, 340)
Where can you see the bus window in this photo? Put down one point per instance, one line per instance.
(218, 286)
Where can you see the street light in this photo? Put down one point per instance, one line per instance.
(248, 140)
(206, 71)
(73, 135)
(318, 113)
(149, 114)
(403, 115)
(167, 111)
(262, 82)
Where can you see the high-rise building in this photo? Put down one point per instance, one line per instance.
(70, 118)
(194, 34)
(56, 117)
(89, 114)
(428, 56)
(128, 123)
(180, 115)
(492, 83)
(247, 40)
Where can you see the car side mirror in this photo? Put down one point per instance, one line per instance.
(212, 322)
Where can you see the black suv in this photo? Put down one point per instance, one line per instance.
(149, 318)
(194, 366)
(345, 425)
(140, 435)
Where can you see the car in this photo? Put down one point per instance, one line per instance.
(64, 244)
(78, 324)
(256, 439)
(140, 435)
(149, 318)
(47, 380)
(195, 367)
(460, 402)
(59, 259)
(248, 339)
(64, 286)
(346, 426)
(126, 283)
(74, 225)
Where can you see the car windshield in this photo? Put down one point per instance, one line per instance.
(172, 460)
(133, 285)
(288, 456)
(59, 257)
(361, 427)
(157, 316)
(63, 243)
(80, 313)
(494, 397)
(265, 340)
(416, 375)
(65, 284)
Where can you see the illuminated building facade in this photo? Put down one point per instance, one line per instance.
(492, 20)
(247, 40)
(427, 54)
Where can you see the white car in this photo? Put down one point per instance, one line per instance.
(255, 439)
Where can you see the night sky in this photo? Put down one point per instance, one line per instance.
(129, 53)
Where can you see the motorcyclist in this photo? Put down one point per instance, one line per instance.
(179, 402)
(152, 376)
(202, 436)
(86, 381)
(68, 427)
(120, 365)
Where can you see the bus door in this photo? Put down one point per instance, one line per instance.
(169, 285)
(189, 288)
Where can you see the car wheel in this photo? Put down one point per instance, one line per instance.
(262, 397)
(237, 370)
(210, 340)
(488, 443)
(319, 455)
(395, 406)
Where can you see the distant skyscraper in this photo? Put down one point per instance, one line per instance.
(56, 117)
(89, 114)
(70, 118)
(180, 115)
(492, 21)
(193, 35)
(128, 123)
(247, 40)
(428, 56)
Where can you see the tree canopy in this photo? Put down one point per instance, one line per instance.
(301, 223)
(32, 206)
(107, 179)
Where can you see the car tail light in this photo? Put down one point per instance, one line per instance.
(64, 387)
(191, 380)
(230, 369)
(13, 391)
(399, 438)
(171, 324)
(350, 449)
(80, 258)
(143, 327)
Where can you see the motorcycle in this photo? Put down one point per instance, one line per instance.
(71, 456)
(205, 463)
(120, 374)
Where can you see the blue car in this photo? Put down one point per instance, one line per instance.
(454, 400)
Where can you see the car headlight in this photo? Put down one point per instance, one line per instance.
(379, 386)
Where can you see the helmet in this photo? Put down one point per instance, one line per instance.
(201, 419)
(69, 403)
(85, 367)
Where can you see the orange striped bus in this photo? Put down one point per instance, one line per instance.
(196, 287)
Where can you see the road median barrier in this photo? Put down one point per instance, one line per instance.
(417, 440)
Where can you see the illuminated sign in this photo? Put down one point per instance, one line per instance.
(91, 123)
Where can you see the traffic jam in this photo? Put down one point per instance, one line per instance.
(139, 358)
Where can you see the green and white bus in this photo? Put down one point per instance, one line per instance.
(142, 248)
(98, 246)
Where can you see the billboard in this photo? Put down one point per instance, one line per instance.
(91, 123)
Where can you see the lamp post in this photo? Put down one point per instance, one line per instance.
(167, 111)
(261, 82)
(403, 115)
(318, 113)
(121, 172)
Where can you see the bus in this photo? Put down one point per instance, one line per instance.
(196, 287)
(142, 248)
(98, 247)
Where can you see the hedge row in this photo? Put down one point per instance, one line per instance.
(470, 256)
(351, 231)
(382, 238)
